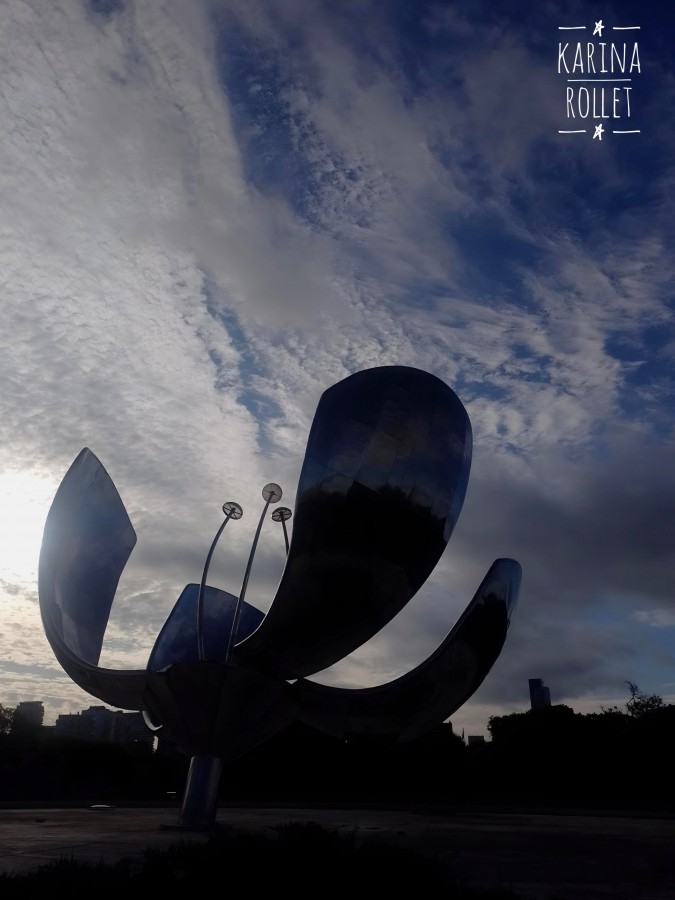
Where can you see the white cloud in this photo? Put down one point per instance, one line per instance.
(657, 618)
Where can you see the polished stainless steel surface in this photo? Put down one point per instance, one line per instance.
(177, 641)
(417, 701)
(283, 514)
(271, 494)
(87, 541)
(381, 488)
(232, 510)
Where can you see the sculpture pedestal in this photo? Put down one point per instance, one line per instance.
(200, 801)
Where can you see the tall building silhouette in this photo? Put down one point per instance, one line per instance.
(540, 695)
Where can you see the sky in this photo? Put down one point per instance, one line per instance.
(214, 211)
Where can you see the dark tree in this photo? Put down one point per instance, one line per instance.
(6, 719)
(640, 704)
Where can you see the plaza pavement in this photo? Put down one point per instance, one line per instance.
(571, 855)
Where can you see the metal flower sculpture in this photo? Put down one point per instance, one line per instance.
(380, 490)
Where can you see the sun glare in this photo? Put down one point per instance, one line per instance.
(25, 499)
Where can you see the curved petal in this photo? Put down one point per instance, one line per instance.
(86, 543)
(380, 491)
(177, 641)
(427, 695)
(121, 688)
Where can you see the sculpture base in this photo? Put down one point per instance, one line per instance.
(198, 812)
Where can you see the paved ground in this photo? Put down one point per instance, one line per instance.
(539, 855)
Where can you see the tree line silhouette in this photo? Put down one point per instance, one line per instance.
(619, 758)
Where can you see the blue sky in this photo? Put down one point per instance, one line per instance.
(214, 211)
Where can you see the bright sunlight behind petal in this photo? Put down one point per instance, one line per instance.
(25, 499)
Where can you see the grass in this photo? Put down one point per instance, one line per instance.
(303, 857)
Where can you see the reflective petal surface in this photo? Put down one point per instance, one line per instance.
(381, 487)
(430, 693)
(87, 541)
(177, 641)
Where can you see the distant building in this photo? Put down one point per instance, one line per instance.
(474, 739)
(540, 696)
(98, 723)
(102, 724)
(68, 724)
(130, 728)
(28, 714)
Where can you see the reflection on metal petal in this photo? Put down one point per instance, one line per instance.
(381, 487)
(87, 541)
(429, 694)
(177, 641)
